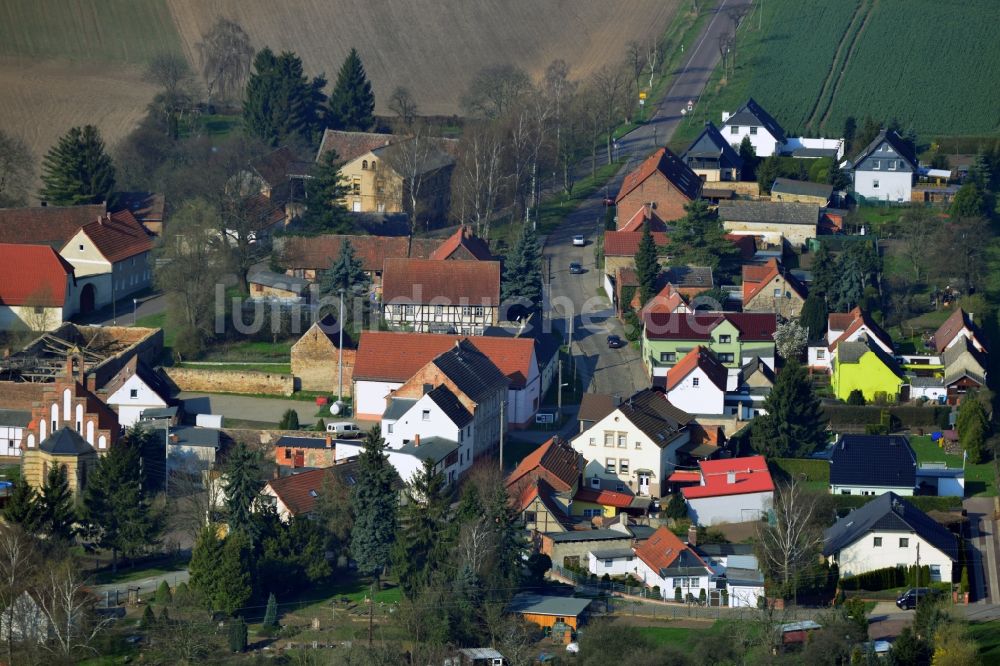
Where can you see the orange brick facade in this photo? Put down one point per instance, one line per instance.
(667, 200)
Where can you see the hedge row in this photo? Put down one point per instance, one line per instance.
(923, 502)
(899, 417)
(888, 578)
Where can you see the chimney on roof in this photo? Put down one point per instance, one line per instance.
(692, 535)
(730, 477)
(428, 388)
(416, 440)
(329, 441)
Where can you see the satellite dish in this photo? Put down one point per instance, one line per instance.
(335, 408)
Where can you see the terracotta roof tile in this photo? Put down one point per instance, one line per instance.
(555, 461)
(299, 492)
(319, 252)
(396, 356)
(463, 238)
(660, 550)
(118, 236)
(666, 162)
(53, 225)
(750, 475)
(746, 244)
(626, 243)
(604, 497)
(951, 327)
(32, 275)
(668, 301)
(476, 283)
(273, 167)
(351, 145)
(642, 215)
(699, 357)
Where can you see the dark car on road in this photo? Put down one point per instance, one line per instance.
(909, 599)
(615, 342)
(575, 268)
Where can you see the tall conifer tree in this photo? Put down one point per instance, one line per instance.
(375, 503)
(352, 104)
(647, 265)
(77, 170)
(793, 425)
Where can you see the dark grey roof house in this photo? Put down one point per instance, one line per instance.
(885, 169)
(754, 115)
(711, 153)
(769, 212)
(872, 465)
(886, 532)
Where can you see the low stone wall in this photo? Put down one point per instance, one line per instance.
(207, 380)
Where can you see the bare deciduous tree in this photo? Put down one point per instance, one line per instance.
(559, 89)
(63, 598)
(401, 103)
(17, 168)
(919, 227)
(226, 59)
(168, 71)
(787, 545)
(479, 177)
(635, 57)
(494, 90)
(415, 160)
(608, 83)
(18, 563)
(654, 56)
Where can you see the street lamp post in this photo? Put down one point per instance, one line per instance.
(340, 351)
(135, 305)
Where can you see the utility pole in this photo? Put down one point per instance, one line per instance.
(503, 403)
(559, 386)
(340, 351)
(916, 602)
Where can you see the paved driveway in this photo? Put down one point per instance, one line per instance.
(246, 408)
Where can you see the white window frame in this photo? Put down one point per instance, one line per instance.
(610, 465)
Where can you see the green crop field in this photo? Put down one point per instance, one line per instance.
(934, 66)
(119, 30)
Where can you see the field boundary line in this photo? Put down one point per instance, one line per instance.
(844, 42)
(847, 62)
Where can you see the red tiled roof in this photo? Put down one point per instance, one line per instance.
(746, 244)
(756, 279)
(319, 252)
(751, 476)
(685, 477)
(643, 214)
(626, 243)
(555, 461)
(52, 225)
(669, 300)
(32, 275)
(118, 236)
(698, 357)
(951, 327)
(543, 492)
(604, 497)
(754, 326)
(671, 167)
(839, 321)
(295, 491)
(396, 356)
(422, 281)
(660, 550)
(681, 325)
(861, 319)
(463, 237)
(351, 145)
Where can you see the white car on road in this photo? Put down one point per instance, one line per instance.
(579, 240)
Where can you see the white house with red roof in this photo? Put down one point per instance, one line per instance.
(386, 360)
(697, 384)
(37, 288)
(666, 562)
(113, 258)
(735, 490)
(957, 327)
(847, 327)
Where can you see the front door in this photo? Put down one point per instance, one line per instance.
(643, 483)
(356, 206)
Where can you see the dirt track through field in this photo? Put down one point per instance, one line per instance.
(869, 11)
(434, 47)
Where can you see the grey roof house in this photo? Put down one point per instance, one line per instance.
(872, 465)
(886, 169)
(712, 157)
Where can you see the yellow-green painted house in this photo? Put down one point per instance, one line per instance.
(867, 367)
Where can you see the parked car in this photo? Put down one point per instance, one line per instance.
(344, 430)
(909, 599)
(579, 240)
(615, 342)
(575, 268)
(609, 201)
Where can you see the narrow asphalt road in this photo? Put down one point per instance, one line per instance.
(579, 298)
(984, 579)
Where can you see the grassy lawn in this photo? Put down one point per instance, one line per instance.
(355, 589)
(672, 635)
(980, 479)
(814, 474)
(250, 351)
(987, 637)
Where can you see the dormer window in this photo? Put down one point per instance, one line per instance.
(877, 164)
(892, 165)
